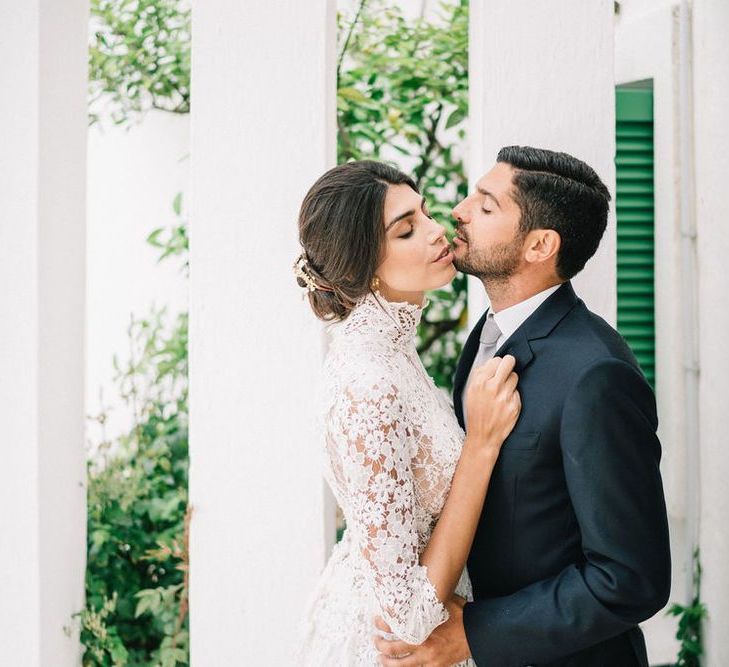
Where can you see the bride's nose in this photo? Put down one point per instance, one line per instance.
(437, 234)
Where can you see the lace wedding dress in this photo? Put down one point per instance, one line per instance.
(391, 444)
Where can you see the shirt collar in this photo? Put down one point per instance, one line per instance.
(511, 318)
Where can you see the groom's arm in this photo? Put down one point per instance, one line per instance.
(611, 464)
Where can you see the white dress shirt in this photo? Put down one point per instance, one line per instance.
(509, 320)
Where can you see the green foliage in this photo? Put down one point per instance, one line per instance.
(136, 577)
(402, 97)
(173, 240)
(137, 569)
(139, 58)
(137, 566)
(690, 619)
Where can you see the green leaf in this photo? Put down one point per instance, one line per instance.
(457, 116)
(353, 95)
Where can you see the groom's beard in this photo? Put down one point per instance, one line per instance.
(495, 265)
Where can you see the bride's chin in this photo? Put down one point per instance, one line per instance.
(447, 279)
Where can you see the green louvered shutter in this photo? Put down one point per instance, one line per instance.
(635, 214)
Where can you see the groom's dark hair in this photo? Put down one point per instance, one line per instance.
(559, 192)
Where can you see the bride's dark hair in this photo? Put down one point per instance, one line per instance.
(342, 231)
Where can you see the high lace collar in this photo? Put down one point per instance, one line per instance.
(395, 321)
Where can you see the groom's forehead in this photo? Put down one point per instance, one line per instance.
(497, 180)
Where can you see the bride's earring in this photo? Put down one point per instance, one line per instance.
(375, 285)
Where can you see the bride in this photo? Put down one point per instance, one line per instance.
(411, 486)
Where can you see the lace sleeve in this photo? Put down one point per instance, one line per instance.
(368, 428)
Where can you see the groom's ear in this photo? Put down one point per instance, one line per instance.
(542, 245)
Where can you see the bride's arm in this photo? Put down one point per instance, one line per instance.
(369, 429)
(492, 407)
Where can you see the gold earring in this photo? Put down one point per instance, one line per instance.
(375, 285)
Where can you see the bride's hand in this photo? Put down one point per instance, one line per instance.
(492, 403)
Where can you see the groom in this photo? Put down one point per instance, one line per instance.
(572, 548)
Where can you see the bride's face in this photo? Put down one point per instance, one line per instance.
(417, 255)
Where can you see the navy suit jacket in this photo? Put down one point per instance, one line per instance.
(572, 549)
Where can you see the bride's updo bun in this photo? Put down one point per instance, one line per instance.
(342, 232)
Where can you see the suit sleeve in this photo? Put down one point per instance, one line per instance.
(611, 458)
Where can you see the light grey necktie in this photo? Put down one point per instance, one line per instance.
(487, 346)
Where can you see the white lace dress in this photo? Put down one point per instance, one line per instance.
(392, 443)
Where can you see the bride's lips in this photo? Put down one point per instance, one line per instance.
(445, 256)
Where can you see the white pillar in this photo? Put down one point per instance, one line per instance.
(711, 111)
(541, 74)
(42, 298)
(263, 129)
(647, 49)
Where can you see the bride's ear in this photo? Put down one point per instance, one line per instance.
(541, 245)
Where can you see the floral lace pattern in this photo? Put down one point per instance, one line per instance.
(392, 443)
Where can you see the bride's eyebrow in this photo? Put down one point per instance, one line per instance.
(407, 214)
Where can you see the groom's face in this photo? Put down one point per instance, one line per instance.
(488, 242)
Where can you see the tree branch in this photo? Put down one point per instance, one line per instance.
(425, 161)
(438, 329)
(349, 36)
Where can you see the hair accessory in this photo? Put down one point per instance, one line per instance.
(299, 269)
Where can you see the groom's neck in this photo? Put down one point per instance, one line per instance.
(506, 293)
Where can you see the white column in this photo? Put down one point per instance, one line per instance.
(711, 111)
(42, 299)
(541, 74)
(263, 129)
(647, 49)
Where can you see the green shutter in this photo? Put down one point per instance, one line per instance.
(635, 214)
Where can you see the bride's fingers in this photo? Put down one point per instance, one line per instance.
(485, 371)
(489, 368)
(505, 368)
(516, 402)
(511, 382)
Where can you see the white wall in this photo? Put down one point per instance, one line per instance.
(646, 48)
(541, 74)
(133, 176)
(647, 39)
(42, 478)
(263, 130)
(711, 136)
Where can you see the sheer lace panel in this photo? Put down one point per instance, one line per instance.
(390, 444)
(372, 447)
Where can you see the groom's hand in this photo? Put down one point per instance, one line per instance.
(446, 645)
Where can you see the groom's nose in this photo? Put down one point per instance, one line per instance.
(458, 212)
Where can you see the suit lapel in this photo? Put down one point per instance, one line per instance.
(538, 325)
(464, 366)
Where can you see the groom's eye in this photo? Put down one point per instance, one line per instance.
(485, 210)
